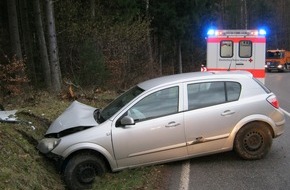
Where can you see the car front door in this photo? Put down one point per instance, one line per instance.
(158, 132)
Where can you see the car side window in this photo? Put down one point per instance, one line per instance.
(157, 104)
(233, 91)
(202, 95)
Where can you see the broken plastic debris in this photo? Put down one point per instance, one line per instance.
(8, 116)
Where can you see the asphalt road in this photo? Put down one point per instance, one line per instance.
(227, 171)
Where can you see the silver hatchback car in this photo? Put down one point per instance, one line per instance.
(165, 119)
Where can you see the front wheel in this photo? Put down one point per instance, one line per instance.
(253, 141)
(81, 171)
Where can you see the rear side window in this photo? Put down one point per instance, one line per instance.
(233, 90)
(202, 95)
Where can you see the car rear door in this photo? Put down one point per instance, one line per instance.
(212, 114)
(158, 133)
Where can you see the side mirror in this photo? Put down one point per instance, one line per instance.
(127, 120)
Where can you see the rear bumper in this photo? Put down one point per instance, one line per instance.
(280, 128)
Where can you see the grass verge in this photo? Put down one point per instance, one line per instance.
(23, 167)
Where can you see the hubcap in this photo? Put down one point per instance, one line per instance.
(86, 173)
(253, 141)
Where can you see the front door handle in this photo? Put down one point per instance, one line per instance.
(228, 112)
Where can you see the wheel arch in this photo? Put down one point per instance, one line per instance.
(88, 148)
(250, 119)
(266, 124)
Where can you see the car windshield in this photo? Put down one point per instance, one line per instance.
(118, 103)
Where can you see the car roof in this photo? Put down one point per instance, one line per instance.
(193, 76)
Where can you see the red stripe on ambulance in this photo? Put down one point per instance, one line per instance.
(236, 40)
(257, 73)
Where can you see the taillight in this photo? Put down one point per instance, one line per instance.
(273, 101)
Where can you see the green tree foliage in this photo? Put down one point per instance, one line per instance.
(117, 43)
(182, 22)
(92, 66)
(125, 52)
(106, 48)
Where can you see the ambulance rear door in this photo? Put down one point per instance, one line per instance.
(244, 54)
(226, 55)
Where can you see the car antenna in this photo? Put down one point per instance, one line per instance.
(229, 69)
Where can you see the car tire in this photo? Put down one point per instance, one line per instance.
(253, 141)
(82, 170)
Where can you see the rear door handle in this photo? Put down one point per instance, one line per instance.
(228, 112)
(172, 124)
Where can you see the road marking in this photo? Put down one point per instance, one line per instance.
(285, 112)
(184, 178)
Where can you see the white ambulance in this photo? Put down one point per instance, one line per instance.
(237, 50)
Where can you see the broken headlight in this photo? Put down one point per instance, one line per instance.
(48, 144)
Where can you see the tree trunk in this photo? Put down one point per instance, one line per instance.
(13, 29)
(93, 9)
(179, 56)
(244, 14)
(160, 59)
(27, 39)
(42, 44)
(53, 51)
(149, 44)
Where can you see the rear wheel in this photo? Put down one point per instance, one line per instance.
(253, 141)
(82, 170)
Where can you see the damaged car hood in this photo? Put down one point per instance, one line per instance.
(76, 115)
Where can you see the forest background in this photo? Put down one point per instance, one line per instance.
(113, 44)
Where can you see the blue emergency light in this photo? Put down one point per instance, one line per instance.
(262, 32)
(212, 32)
